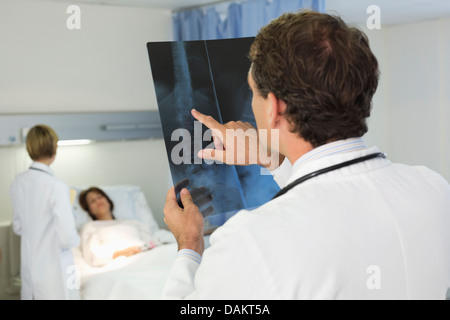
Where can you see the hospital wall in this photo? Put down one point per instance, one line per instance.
(103, 67)
(411, 112)
(46, 67)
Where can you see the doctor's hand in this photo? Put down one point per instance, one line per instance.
(236, 143)
(201, 197)
(185, 223)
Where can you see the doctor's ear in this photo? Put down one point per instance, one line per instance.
(276, 109)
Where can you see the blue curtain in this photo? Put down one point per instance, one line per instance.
(236, 19)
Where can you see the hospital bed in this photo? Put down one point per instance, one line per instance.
(141, 276)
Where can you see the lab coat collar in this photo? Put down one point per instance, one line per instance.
(300, 170)
(42, 167)
(340, 146)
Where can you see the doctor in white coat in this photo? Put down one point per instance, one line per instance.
(44, 220)
(350, 224)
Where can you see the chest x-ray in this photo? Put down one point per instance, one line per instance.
(210, 76)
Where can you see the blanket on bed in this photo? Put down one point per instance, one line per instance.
(100, 239)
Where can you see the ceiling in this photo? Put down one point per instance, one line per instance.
(352, 11)
(159, 4)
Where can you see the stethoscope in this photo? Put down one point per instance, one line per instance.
(326, 170)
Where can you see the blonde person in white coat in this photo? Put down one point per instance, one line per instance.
(364, 229)
(44, 220)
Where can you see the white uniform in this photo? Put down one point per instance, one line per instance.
(373, 230)
(44, 220)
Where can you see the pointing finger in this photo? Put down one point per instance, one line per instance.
(212, 154)
(208, 121)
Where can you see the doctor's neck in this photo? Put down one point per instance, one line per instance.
(46, 161)
(292, 146)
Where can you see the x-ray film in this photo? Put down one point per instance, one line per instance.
(210, 76)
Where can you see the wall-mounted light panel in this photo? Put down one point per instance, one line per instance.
(84, 126)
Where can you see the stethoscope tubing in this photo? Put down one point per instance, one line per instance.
(326, 170)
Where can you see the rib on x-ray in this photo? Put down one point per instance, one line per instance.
(210, 76)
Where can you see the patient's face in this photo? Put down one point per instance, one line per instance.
(98, 206)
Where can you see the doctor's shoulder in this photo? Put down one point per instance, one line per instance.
(20, 181)
(434, 175)
(429, 177)
(19, 178)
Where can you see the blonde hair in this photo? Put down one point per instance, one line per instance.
(41, 142)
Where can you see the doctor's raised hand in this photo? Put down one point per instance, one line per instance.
(237, 143)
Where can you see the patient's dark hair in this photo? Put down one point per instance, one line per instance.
(322, 69)
(84, 204)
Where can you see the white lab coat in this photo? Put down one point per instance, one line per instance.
(374, 230)
(44, 220)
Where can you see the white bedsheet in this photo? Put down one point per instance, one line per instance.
(138, 277)
(100, 239)
(141, 276)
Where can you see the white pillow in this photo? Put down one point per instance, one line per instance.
(129, 204)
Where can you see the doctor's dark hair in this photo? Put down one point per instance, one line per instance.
(322, 69)
(83, 200)
(41, 142)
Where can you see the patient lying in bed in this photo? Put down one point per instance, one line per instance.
(106, 238)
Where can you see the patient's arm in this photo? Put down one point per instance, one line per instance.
(126, 252)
